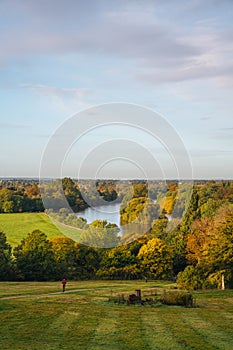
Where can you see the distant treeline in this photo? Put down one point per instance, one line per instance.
(18, 196)
(20, 199)
(22, 195)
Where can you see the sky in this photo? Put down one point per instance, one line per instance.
(60, 58)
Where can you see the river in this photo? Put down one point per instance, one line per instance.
(110, 212)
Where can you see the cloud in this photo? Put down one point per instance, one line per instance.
(205, 118)
(211, 59)
(64, 99)
(133, 35)
(13, 126)
(46, 90)
(225, 135)
(160, 43)
(227, 129)
(206, 153)
(190, 72)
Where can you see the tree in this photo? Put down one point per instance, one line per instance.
(6, 264)
(8, 207)
(210, 247)
(64, 249)
(6, 202)
(5, 196)
(191, 278)
(107, 190)
(198, 240)
(101, 234)
(159, 227)
(191, 214)
(87, 261)
(32, 191)
(73, 260)
(139, 210)
(121, 263)
(209, 208)
(219, 252)
(73, 195)
(178, 246)
(140, 190)
(156, 258)
(34, 257)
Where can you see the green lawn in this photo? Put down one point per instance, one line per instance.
(84, 319)
(17, 226)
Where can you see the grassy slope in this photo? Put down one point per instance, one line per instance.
(17, 226)
(84, 320)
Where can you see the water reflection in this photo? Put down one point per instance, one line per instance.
(111, 213)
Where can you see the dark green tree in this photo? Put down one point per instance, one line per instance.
(191, 214)
(6, 263)
(73, 195)
(121, 263)
(191, 278)
(107, 190)
(159, 227)
(87, 261)
(35, 259)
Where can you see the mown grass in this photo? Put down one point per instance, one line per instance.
(17, 226)
(8, 289)
(85, 320)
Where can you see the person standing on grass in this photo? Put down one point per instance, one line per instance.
(63, 282)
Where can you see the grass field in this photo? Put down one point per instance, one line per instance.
(82, 319)
(17, 226)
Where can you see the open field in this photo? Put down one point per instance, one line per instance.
(17, 226)
(82, 319)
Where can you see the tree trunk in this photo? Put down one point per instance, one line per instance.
(223, 282)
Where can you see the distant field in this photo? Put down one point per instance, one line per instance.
(83, 319)
(17, 226)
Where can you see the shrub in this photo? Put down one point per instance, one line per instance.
(179, 298)
(190, 279)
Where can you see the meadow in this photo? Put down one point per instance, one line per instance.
(17, 225)
(38, 316)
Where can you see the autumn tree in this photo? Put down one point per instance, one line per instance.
(156, 259)
(64, 250)
(210, 247)
(32, 191)
(139, 210)
(219, 251)
(198, 240)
